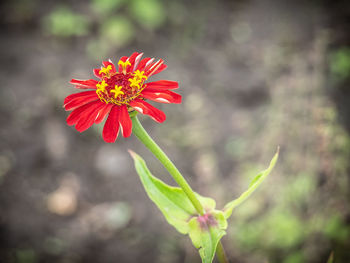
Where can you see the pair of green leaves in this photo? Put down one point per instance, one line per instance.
(205, 230)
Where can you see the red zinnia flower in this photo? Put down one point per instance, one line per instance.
(117, 92)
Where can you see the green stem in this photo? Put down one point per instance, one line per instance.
(143, 136)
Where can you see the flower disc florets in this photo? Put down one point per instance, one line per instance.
(120, 87)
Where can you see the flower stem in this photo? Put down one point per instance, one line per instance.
(144, 137)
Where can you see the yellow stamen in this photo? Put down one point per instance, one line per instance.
(102, 86)
(117, 91)
(106, 70)
(124, 65)
(134, 82)
(140, 75)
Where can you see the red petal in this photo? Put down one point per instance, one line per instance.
(150, 64)
(103, 113)
(163, 84)
(97, 72)
(84, 84)
(165, 96)
(88, 117)
(151, 69)
(125, 121)
(76, 114)
(80, 101)
(137, 60)
(131, 59)
(111, 128)
(77, 95)
(143, 63)
(146, 108)
(160, 69)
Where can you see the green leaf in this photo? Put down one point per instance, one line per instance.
(252, 187)
(172, 201)
(206, 231)
(331, 258)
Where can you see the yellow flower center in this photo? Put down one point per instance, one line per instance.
(121, 87)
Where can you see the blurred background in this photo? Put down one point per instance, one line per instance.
(253, 75)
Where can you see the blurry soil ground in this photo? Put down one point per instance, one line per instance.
(253, 75)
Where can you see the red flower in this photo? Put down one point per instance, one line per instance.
(118, 92)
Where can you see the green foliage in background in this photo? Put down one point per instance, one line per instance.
(297, 214)
(340, 63)
(117, 31)
(149, 14)
(26, 256)
(106, 7)
(63, 22)
(118, 23)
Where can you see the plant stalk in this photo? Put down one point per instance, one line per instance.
(144, 137)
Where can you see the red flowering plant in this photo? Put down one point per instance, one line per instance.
(119, 94)
(119, 91)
